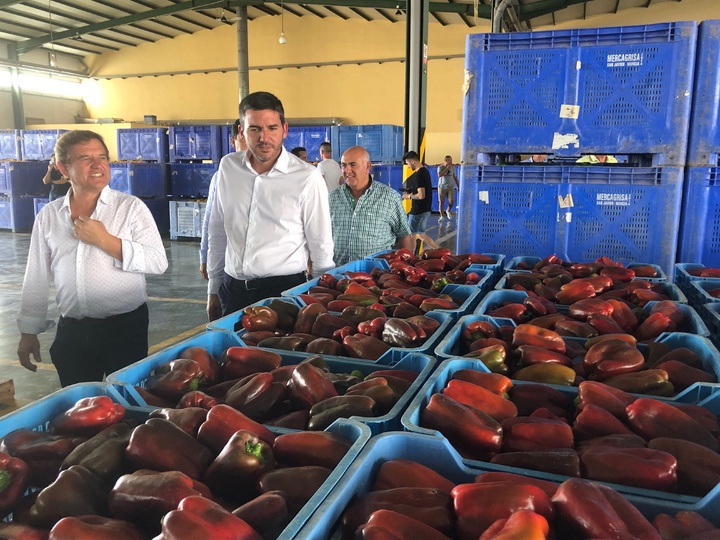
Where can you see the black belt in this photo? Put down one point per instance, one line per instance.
(268, 282)
(112, 319)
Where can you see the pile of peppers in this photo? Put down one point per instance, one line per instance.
(534, 353)
(606, 434)
(408, 499)
(200, 473)
(358, 331)
(303, 396)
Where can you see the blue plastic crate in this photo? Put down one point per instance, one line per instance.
(699, 236)
(384, 142)
(37, 415)
(704, 145)
(38, 204)
(191, 180)
(195, 143)
(145, 180)
(17, 213)
(353, 266)
(23, 178)
(390, 175)
(437, 454)
(10, 144)
(160, 210)
(39, 144)
(711, 316)
(313, 137)
(625, 213)
(143, 144)
(510, 210)
(616, 90)
(701, 288)
(225, 136)
(231, 323)
(684, 279)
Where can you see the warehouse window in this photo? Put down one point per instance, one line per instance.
(5, 81)
(50, 86)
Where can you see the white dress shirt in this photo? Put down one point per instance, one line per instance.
(206, 219)
(331, 171)
(88, 281)
(264, 225)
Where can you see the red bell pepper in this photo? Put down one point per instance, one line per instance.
(523, 434)
(389, 525)
(648, 381)
(496, 476)
(196, 398)
(13, 481)
(467, 428)
(95, 527)
(494, 382)
(640, 467)
(530, 397)
(267, 514)
(294, 420)
(306, 317)
(682, 376)
(259, 318)
(364, 347)
(223, 421)
(685, 524)
(614, 441)
(209, 365)
(88, 416)
(240, 463)
(529, 355)
(478, 397)
(310, 448)
(145, 496)
(198, 517)
(172, 380)
(594, 421)
(239, 362)
(402, 472)
(325, 412)
(521, 525)
(18, 531)
(612, 357)
(162, 446)
(698, 468)
(401, 333)
(298, 484)
(563, 461)
(188, 419)
(309, 385)
(591, 510)
(257, 396)
(103, 454)
(653, 418)
(527, 334)
(606, 397)
(477, 506)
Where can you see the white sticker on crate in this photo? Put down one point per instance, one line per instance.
(565, 140)
(625, 60)
(613, 199)
(569, 111)
(484, 196)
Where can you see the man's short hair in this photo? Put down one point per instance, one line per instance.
(69, 139)
(296, 151)
(412, 154)
(235, 128)
(448, 157)
(325, 147)
(261, 101)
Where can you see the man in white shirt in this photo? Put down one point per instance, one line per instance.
(329, 168)
(270, 216)
(96, 245)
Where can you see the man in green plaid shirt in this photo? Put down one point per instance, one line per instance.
(367, 216)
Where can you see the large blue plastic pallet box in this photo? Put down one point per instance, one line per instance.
(160, 210)
(144, 144)
(390, 175)
(704, 144)
(17, 213)
(19, 178)
(39, 203)
(699, 237)
(39, 144)
(191, 180)
(145, 180)
(186, 218)
(384, 142)
(10, 144)
(615, 90)
(195, 143)
(437, 454)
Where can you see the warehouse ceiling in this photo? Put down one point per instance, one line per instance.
(82, 27)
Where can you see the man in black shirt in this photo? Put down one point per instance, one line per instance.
(418, 188)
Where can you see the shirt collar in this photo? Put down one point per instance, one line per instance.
(281, 165)
(105, 196)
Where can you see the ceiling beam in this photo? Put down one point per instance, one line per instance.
(361, 14)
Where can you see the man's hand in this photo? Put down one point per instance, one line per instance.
(203, 271)
(214, 309)
(29, 344)
(93, 232)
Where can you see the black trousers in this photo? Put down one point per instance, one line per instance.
(86, 349)
(236, 294)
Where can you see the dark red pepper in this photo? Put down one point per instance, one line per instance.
(223, 421)
(174, 379)
(88, 416)
(13, 481)
(94, 528)
(298, 483)
(239, 362)
(310, 448)
(198, 517)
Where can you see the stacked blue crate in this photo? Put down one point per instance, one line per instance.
(699, 239)
(620, 91)
(20, 183)
(195, 143)
(39, 144)
(10, 146)
(143, 144)
(310, 138)
(384, 142)
(144, 180)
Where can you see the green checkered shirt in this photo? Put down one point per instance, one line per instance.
(373, 224)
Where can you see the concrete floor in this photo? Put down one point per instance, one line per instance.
(176, 302)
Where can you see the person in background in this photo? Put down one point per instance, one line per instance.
(238, 145)
(418, 188)
(96, 245)
(367, 216)
(270, 216)
(597, 159)
(329, 168)
(447, 182)
(535, 158)
(300, 152)
(59, 184)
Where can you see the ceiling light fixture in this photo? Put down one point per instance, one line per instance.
(223, 19)
(77, 37)
(53, 58)
(398, 10)
(282, 40)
